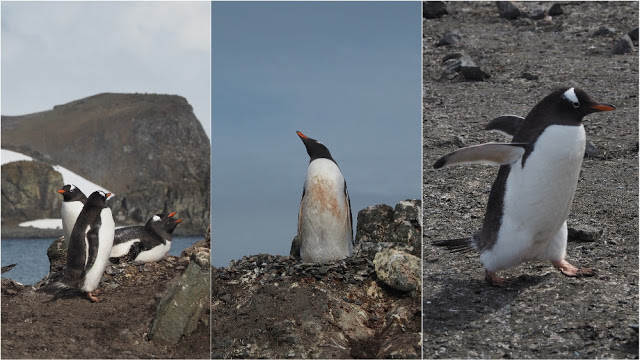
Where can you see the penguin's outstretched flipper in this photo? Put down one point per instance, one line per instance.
(8, 267)
(462, 245)
(491, 153)
(506, 125)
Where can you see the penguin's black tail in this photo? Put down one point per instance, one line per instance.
(59, 290)
(462, 245)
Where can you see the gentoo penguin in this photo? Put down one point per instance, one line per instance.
(72, 202)
(147, 243)
(530, 199)
(324, 221)
(89, 246)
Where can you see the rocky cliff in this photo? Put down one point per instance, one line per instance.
(366, 306)
(29, 192)
(150, 150)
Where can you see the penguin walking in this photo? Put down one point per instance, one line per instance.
(72, 202)
(531, 197)
(89, 246)
(324, 221)
(148, 243)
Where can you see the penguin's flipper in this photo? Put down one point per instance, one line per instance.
(348, 204)
(506, 125)
(456, 245)
(491, 153)
(8, 267)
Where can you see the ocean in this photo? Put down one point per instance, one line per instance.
(30, 255)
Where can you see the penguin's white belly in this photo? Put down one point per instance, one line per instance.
(122, 248)
(69, 211)
(154, 254)
(538, 197)
(105, 236)
(324, 229)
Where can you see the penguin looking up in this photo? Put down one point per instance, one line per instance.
(89, 246)
(324, 221)
(72, 202)
(148, 243)
(531, 197)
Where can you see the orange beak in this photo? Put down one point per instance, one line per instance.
(178, 221)
(108, 194)
(171, 215)
(61, 191)
(301, 135)
(603, 107)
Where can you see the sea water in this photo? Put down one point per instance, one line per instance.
(30, 255)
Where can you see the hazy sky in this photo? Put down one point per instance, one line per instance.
(57, 52)
(345, 73)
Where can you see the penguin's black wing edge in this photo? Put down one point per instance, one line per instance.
(506, 125)
(491, 154)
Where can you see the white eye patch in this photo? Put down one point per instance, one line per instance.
(571, 96)
(72, 187)
(156, 218)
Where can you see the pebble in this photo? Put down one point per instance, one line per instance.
(450, 38)
(584, 233)
(555, 10)
(434, 9)
(536, 14)
(624, 46)
(605, 30)
(529, 76)
(590, 150)
(507, 10)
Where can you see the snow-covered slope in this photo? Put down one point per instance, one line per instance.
(68, 177)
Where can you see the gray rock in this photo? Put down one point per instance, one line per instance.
(507, 10)
(450, 38)
(584, 233)
(434, 9)
(180, 309)
(466, 66)
(624, 46)
(57, 254)
(373, 222)
(555, 10)
(29, 191)
(605, 30)
(529, 76)
(474, 73)
(633, 34)
(398, 270)
(590, 150)
(536, 14)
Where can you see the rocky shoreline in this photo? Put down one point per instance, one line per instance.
(366, 306)
(19, 232)
(154, 310)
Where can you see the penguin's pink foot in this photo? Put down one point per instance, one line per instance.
(93, 296)
(572, 271)
(495, 280)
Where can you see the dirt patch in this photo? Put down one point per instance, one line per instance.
(545, 314)
(33, 326)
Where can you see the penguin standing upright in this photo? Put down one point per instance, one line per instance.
(72, 202)
(530, 199)
(324, 221)
(147, 243)
(89, 246)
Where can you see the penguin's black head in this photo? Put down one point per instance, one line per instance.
(163, 222)
(71, 192)
(98, 199)
(572, 104)
(315, 148)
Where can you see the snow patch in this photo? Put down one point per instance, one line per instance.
(43, 224)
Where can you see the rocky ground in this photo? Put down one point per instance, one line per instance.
(34, 325)
(544, 314)
(266, 306)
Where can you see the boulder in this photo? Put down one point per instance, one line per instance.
(398, 270)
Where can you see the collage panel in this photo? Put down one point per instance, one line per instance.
(106, 134)
(316, 183)
(536, 257)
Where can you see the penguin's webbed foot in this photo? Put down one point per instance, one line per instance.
(93, 295)
(495, 280)
(572, 271)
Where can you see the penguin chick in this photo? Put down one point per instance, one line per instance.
(530, 199)
(324, 220)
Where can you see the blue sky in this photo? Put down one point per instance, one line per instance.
(57, 52)
(345, 73)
